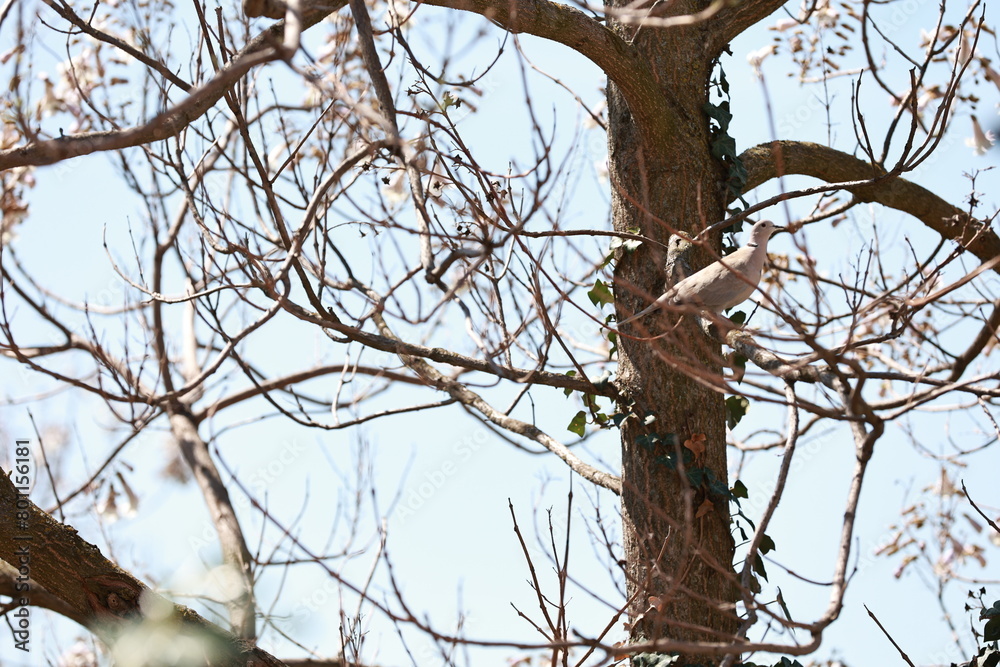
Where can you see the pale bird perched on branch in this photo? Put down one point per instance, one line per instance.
(722, 284)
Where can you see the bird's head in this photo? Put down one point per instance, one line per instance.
(762, 231)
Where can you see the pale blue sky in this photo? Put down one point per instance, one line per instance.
(456, 552)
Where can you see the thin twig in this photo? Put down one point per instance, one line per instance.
(976, 507)
(902, 653)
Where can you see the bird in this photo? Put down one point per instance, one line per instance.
(722, 284)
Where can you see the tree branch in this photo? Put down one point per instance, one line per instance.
(39, 596)
(168, 123)
(293, 379)
(474, 401)
(242, 608)
(743, 343)
(656, 117)
(735, 18)
(976, 507)
(101, 595)
(397, 346)
(86, 27)
(986, 334)
(865, 437)
(768, 161)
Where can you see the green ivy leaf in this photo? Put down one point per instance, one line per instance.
(696, 476)
(628, 245)
(724, 146)
(654, 660)
(567, 391)
(738, 172)
(743, 533)
(719, 113)
(718, 488)
(990, 612)
(579, 423)
(991, 632)
(758, 566)
(739, 361)
(669, 460)
(738, 318)
(766, 544)
(784, 607)
(600, 294)
(785, 662)
(736, 409)
(723, 82)
(739, 490)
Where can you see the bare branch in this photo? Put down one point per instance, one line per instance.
(902, 653)
(768, 161)
(993, 525)
(736, 18)
(166, 124)
(472, 400)
(102, 595)
(242, 608)
(656, 117)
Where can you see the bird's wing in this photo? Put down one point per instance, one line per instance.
(663, 300)
(720, 285)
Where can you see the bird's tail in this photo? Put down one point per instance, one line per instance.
(656, 305)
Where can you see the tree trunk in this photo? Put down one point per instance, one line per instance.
(678, 546)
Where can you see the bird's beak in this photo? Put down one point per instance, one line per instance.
(779, 230)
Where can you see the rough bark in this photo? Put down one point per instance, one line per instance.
(98, 593)
(736, 17)
(677, 557)
(658, 114)
(777, 158)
